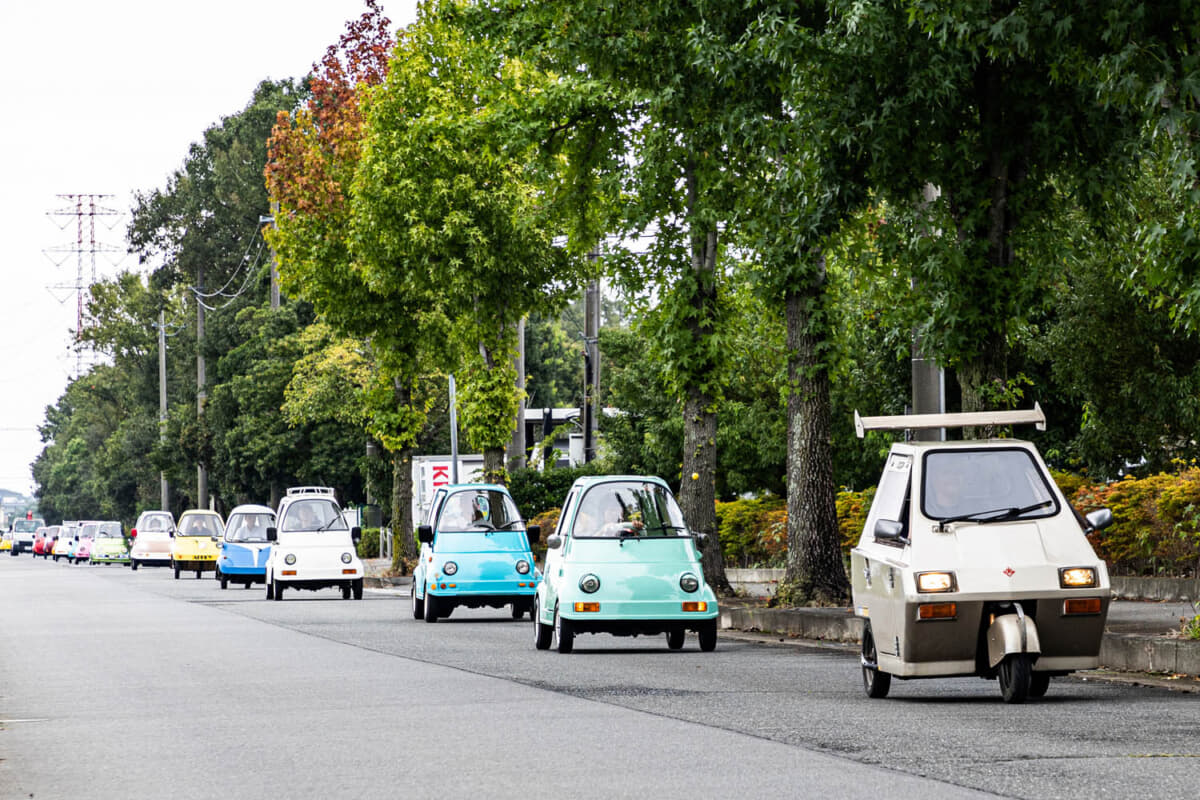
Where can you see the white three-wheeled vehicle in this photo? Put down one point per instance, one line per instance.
(973, 563)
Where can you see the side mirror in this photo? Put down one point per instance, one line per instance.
(701, 541)
(272, 534)
(533, 532)
(356, 534)
(171, 533)
(133, 533)
(889, 531)
(216, 538)
(554, 542)
(1099, 519)
(425, 534)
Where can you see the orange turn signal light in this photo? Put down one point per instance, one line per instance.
(581, 607)
(289, 572)
(695, 605)
(937, 611)
(1081, 605)
(349, 571)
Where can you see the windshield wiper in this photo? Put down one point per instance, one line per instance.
(327, 525)
(994, 515)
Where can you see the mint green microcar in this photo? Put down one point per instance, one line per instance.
(622, 561)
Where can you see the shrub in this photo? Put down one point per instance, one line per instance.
(536, 492)
(368, 545)
(753, 533)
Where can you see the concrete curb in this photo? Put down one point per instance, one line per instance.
(1177, 590)
(380, 582)
(1118, 651)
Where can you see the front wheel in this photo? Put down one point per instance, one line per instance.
(418, 605)
(1039, 683)
(708, 636)
(270, 590)
(564, 634)
(1015, 674)
(875, 683)
(223, 580)
(278, 590)
(346, 592)
(133, 564)
(675, 640)
(542, 633)
(518, 609)
(175, 567)
(357, 589)
(431, 609)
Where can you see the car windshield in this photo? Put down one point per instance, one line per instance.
(156, 522)
(478, 510)
(249, 527)
(27, 525)
(315, 514)
(109, 530)
(88, 531)
(623, 509)
(200, 525)
(991, 485)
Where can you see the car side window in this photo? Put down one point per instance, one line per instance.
(892, 497)
(567, 510)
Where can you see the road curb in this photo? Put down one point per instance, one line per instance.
(1118, 651)
(380, 582)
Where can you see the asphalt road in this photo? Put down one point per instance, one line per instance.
(123, 684)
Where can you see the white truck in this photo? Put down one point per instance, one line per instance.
(431, 472)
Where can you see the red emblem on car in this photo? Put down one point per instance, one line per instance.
(1009, 571)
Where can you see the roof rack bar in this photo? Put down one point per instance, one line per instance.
(961, 420)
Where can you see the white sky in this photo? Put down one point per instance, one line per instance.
(105, 98)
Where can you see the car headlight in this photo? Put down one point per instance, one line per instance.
(347, 558)
(936, 582)
(523, 567)
(289, 559)
(689, 582)
(449, 568)
(589, 583)
(1077, 578)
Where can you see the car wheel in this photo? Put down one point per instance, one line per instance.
(270, 590)
(675, 640)
(542, 633)
(1039, 683)
(875, 683)
(246, 585)
(418, 605)
(133, 564)
(278, 590)
(708, 636)
(223, 581)
(198, 574)
(357, 589)
(175, 567)
(346, 591)
(1015, 674)
(518, 609)
(564, 634)
(431, 608)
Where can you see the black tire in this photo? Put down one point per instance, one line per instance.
(1015, 674)
(246, 585)
(518, 609)
(133, 564)
(431, 607)
(875, 683)
(270, 590)
(175, 567)
(542, 634)
(224, 581)
(345, 591)
(198, 574)
(357, 589)
(708, 636)
(278, 590)
(564, 634)
(1039, 683)
(418, 604)
(675, 639)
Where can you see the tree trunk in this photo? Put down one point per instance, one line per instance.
(698, 489)
(404, 547)
(815, 573)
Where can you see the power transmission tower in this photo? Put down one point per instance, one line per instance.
(84, 209)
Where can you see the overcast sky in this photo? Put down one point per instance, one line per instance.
(105, 98)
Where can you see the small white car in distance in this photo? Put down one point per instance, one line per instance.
(313, 548)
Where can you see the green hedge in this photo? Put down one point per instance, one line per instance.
(368, 545)
(537, 492)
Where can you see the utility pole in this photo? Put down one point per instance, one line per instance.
(516, 447)
(591, 363)
(165, 505)
(201, 393)
(928, 379)
(274, 259)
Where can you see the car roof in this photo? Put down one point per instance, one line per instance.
(251, 508)
(587, 481)
(964, 444)
(468, 487)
